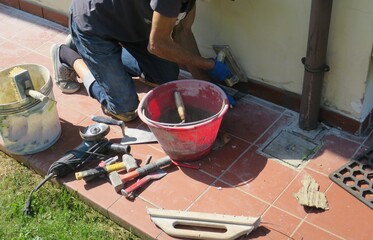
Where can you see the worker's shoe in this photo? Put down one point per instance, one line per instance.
(125, 117)
(64, 76)
(70, 42)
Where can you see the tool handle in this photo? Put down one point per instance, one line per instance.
(110, 121)
(90, 174)
(153, 166)
(220, 56)
(120, 148)
(127, 192)
(37, 95)
(108, 161)
(180, 105)
(142, 171)
(115, 167)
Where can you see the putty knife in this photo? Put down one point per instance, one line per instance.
(135, 135)
(131, 135)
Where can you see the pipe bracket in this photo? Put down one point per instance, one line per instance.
(308, 68)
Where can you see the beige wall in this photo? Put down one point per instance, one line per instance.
(269, 38)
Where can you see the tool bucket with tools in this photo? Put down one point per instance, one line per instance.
(188, 136)
(29, 121)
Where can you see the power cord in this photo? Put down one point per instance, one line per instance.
(72, 160)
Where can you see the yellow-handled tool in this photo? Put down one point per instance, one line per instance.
(128, 163)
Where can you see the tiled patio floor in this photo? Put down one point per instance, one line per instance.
(233, 180)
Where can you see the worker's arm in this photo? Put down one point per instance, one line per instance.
(183, 35)
(184, 51)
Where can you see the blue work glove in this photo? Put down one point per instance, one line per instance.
(219, 72)
(231, 100)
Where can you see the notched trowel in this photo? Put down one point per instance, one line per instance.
(224, 54)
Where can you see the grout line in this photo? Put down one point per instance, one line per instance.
(269, 127)
(284, 190)
(318, 227)
(305, 220)
(219, 177)
(317, 171)
(230, 166)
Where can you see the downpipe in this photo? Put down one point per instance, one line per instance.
(314, 63)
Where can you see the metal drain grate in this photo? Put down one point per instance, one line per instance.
(290, 148)
(356, 177)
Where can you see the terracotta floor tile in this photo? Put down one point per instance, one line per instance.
(10, 54)
(257, 175)
(70, 137)
(80, 101)
(41, 161)
(223, 199)
(276, 224)
(35, 58)
(340, 145)
(287, 201)
(134, 216)
(217, 161)
(334, 153)
(34, 36)
(257, 120)
(347, 216)
(99, 193)
(309, 232)
(284, 121)
(44, 48)
(68, 114)
(13, 25)
(178, 189)
(141, 151)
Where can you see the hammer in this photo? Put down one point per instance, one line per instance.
(128, 163)
(118, 181)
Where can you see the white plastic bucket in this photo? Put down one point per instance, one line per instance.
(28, 125)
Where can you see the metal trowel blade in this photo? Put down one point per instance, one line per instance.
(135, 135)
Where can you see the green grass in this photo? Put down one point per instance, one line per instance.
(59, 214)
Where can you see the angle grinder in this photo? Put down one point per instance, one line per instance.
(94, 147)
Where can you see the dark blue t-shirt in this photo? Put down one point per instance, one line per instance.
(124, 20)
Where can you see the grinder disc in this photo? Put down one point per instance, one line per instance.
(94, 132)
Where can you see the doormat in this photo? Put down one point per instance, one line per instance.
(356, 177)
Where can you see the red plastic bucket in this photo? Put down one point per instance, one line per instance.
(205, 105)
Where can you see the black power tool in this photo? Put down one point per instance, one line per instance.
(94, 147)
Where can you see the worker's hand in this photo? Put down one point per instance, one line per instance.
(220, 71)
